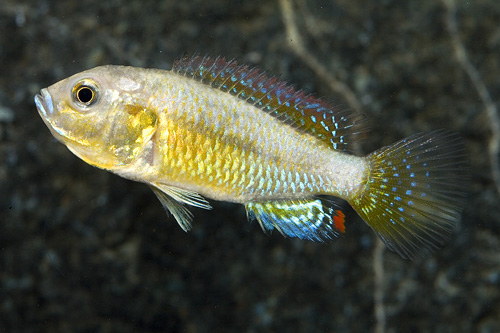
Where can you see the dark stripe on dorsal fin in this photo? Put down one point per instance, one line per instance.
(336, 127)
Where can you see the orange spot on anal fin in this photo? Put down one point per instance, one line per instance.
(339, 221)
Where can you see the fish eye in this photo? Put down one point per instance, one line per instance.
(85, 93)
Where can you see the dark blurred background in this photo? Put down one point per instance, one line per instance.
(82, 250)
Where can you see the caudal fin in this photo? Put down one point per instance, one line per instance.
(415, 192)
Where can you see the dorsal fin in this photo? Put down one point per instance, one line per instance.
(336, 127)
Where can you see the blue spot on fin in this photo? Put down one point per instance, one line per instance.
(416, 211)
(309, 219)
(335, 127)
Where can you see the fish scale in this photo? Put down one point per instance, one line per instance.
(212, 128)
(237, 138)
(274, 97)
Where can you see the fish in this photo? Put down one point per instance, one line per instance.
(211, 128)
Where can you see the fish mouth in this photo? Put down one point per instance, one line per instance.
(44, 103)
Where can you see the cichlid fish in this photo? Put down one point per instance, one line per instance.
(213, 128)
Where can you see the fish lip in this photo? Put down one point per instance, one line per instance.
(43, 102)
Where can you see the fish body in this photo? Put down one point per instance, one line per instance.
(212, 128)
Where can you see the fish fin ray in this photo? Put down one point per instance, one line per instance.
(415, 192)
(336, 127)
(181, 214)
(310, 219)
(184, 196)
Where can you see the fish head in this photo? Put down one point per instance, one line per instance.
(101, 115)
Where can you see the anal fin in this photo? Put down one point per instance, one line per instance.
(310, 219)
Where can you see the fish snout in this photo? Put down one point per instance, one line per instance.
(44, 103)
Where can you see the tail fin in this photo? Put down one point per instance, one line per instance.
(415, 192)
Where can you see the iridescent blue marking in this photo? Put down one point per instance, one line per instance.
(311, 105)
(230, 77)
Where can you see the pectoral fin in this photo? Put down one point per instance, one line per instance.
(173, 200)
(310, 219)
